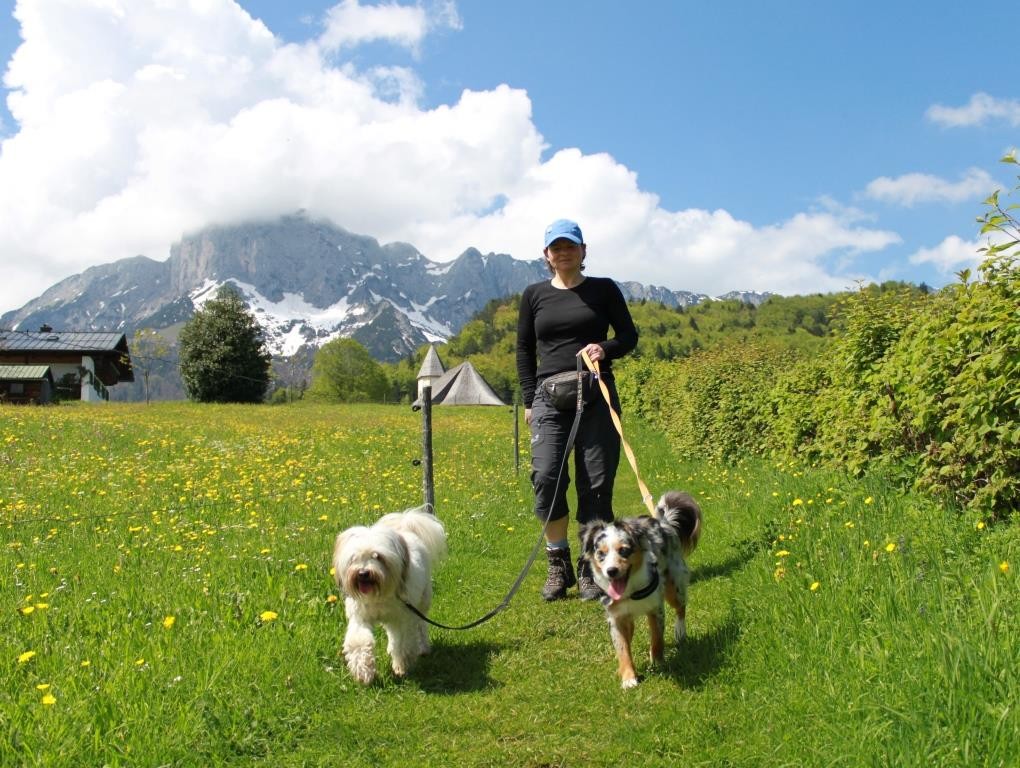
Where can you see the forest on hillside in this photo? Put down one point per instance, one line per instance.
(803, 324)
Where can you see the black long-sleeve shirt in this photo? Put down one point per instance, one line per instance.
(553, 325)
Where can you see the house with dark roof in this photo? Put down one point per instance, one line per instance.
(26, 384)
(83, 365)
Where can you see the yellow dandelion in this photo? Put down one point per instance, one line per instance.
(323, 518)
(981, 525)
(49, 700)
(139, 662)
(86, 663)
(849, 523)
(332, 571)
(24, 611)
(26, 657)
(814, 586)
(331, 599)
(300, 567)
(868, 500)
(797, 502)
(1004, 566)
(168, 622)
(782, 553)
(42, 686)
(267, 616)
(890, 547)
(42, 606)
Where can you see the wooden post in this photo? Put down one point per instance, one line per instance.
(426, 419)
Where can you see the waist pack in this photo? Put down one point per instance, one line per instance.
(561, 389)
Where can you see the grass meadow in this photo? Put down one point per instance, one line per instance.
(166, 600)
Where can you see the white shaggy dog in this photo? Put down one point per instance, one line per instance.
(378, 568)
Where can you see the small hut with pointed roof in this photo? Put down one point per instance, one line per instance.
(461, 385)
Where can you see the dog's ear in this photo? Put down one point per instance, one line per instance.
(341, 540)
(646, 533)
(589, 533)
(404, 554)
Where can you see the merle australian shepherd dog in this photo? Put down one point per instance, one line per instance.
(639, 564)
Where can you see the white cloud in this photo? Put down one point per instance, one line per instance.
(349, 24)
(141, 120)
(949, 256)
(981, 109)
(913, 188)
(955, 253)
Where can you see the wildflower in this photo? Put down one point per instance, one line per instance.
(890, 547)
(849, 523)
(782, 553)
(814, 586)
(139, 662)
(42, 686)
(300, 567)
(332, 598)
(24, 611)
(797, 502)
(267, 616)
(1004, 566)
(86, 663)
(980, 525)
(49, 700)
(26, 657)
(168, 622)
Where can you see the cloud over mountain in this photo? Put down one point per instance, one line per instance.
(140, 122)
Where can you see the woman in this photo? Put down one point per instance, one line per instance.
(558, 319)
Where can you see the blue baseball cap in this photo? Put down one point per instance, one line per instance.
(563, 228)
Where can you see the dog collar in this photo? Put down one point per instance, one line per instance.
(642, 593)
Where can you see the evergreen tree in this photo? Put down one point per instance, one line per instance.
(223, 352)
(345, 372)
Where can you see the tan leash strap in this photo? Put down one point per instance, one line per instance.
(593, 366)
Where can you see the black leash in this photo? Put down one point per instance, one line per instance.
(541, 537)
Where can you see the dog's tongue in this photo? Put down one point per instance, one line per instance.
(616, 588)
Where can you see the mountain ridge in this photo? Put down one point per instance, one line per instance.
(307, 281)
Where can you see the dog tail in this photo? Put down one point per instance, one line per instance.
(681, 512)
(426, 526)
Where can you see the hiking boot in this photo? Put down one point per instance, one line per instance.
(561, 574)
(586, 585)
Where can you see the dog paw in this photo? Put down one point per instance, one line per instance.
(361, 666)
(629, 682)
(680, 631)
(362, 674)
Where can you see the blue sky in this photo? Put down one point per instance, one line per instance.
(792, 147)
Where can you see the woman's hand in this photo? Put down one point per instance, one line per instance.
(594, 352)
(527, 416)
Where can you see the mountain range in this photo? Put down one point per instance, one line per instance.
(307, 281)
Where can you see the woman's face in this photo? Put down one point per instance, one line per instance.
(564, 255)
